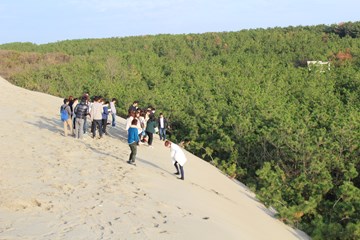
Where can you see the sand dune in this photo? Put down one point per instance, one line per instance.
(56, 187)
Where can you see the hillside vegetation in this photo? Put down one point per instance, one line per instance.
(246, 99)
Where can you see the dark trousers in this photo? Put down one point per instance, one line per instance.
(151, 136)
(177, 166)
(96, 123)
(133, 148)
(104, 125)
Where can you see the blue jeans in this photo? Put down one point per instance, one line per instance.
(162, 133)
(113, 123)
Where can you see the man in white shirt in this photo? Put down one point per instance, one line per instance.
(178, 157)
(96, 116)
(163, 124)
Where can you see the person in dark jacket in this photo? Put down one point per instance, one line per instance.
(105, 116)
(81, 111)
(134, 106)
(150, 129)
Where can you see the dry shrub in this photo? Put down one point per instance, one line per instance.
(344, 56)
(14, 62)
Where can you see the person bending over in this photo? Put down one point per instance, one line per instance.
(177, 156)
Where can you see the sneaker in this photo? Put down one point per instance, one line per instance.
(177, 173)
(132, 163)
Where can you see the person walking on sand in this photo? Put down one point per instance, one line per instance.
(96, 117)
(133, 139)
(178, 157)
(113, 112)
(105, 116)
(163, 124)
(134, 107)
(73, 115)
(81, 112)
(129, 119)
(150, 129)
(65, 113)
(87, 102)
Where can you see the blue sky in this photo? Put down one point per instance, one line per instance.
(43, 21)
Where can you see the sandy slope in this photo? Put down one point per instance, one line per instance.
(56, 187)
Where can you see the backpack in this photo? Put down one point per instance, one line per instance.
(64, 114)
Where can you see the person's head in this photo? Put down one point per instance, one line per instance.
(135, 103)
(114, 100)
(134, 121)
(71, 98)
(66, 101)
(84, 99)
(161, 115)
(167, 143)
(75, 100)
(86, 96)
(152, 118)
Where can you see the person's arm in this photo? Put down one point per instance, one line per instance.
(92, 113)
(136, 137)
(128, 123)
(68, 109)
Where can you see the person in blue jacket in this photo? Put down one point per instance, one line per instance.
(133, 139)
(105, 116)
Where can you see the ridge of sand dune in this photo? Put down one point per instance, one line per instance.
(56, 187)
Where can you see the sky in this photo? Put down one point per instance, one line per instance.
(45, 21)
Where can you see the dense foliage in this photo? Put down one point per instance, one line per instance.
(246, 100)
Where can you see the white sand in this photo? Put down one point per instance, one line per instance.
(56, 187)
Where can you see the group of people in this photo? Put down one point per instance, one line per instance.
(75, 115)
(141, 125)
(147, 124)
